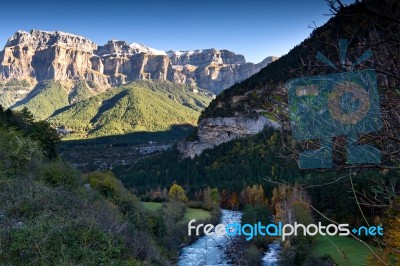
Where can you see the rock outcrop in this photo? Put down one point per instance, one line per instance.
(212, 132)
(41, 55)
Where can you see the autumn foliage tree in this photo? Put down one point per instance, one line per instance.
(291, 205)
(391, 238)
(234, 201)
(253, 195)
(177, 193)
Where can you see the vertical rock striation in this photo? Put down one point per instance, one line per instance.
(42, 55)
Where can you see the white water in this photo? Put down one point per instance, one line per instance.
(210, 250)
(271, 256)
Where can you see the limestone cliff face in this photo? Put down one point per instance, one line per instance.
(212, 132)
(40, 55)
(205, 57)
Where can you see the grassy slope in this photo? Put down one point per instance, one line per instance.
(11, 91)
(190, 213)
(356, 252)
(46, 98)
(152, 206)
(197, 214)
(52, 96)
(138, 106)
(80, 92)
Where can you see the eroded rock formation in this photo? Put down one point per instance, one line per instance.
(40, 55)
(212, 132)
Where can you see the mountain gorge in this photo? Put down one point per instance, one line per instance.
(111, 155)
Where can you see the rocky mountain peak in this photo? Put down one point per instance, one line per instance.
(205, 57)
(122, 47)
(140, 48)
(38, 39)
(114, 47)
(42, 55)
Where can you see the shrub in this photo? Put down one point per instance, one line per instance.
(17, 153)
(195, 204)
(173, 213)
(110, 187)
(252, 256)
(253, 215)
(59, 174)
(46, 225)
(325, 260)
(16, 82)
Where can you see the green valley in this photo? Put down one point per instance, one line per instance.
(51, 96)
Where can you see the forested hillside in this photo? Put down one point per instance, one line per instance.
(358, 194)
(141, 106)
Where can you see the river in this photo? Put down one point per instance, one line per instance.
(210, 250)
(271, 256)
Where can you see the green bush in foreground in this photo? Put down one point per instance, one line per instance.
(17, 153)
(59, 174)
(51, 215)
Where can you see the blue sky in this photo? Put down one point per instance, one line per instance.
(253, 28)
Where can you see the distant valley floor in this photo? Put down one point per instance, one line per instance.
(104, 153)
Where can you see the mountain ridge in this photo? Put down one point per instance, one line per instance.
(38, 55)
(140, 106)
